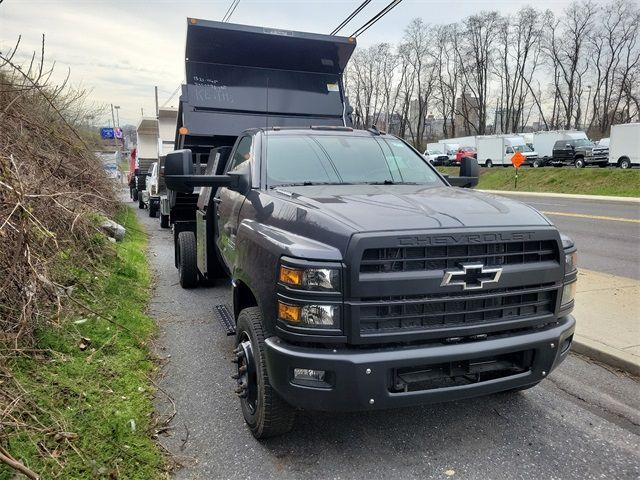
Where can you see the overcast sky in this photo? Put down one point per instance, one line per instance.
(121, 49)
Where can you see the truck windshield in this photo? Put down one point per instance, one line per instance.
(522, 148)
(341, 159)
(583, 142)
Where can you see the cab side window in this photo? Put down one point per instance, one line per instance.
(242, 154)
(509, 150)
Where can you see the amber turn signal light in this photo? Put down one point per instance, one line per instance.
(290, 313)
(290, 276)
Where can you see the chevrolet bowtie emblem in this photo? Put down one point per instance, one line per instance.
(471, 276)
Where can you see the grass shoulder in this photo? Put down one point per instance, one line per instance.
(88, 385)
(585, 181)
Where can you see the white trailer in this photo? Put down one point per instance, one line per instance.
(167, 118)
(469, 141)
(498, 150)
(624, 145)
(543, 142)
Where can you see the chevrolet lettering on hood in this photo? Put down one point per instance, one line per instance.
(422, 240)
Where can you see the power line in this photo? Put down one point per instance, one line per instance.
(230, 10)
(375, 18)
(171, 97)
(350, 17)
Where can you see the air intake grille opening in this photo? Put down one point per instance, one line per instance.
(407, 259)
(461, 372)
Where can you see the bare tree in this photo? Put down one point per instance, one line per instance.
(447, 75)
(616, 59)
(476, 53)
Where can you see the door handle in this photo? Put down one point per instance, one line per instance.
(217, 200)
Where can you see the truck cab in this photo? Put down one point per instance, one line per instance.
(366, 281)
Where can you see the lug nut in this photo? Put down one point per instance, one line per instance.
(544, 373)
(553, 345)
(372, 401)
(368, 371)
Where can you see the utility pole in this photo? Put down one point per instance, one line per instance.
(113, 119)
(157, 109)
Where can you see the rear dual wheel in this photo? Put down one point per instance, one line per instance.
(187, 260)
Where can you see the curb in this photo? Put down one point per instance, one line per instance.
(565, 195)
(605, 354)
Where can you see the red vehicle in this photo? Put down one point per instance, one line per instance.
(466, 152)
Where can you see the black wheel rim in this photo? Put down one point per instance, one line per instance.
(247, 379)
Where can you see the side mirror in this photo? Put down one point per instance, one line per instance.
(241, 176)
(179, 175)
(469, 174)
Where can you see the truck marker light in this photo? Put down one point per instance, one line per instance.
(568, 293)
(183, 131)
(290, 276)
(290, 313)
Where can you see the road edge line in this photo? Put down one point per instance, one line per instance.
(608, 355)
(565, 195)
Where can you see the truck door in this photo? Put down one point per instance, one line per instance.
(508, 153)
(228, 204)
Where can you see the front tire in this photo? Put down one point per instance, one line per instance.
(536, 164)
(488, 164)
(580, 163)
(187, 260)
(264, 411)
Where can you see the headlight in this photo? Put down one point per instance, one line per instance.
(568, 293)
(327, 316)
(327, 279)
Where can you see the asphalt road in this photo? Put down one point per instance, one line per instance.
(582, 422)
(604, 245)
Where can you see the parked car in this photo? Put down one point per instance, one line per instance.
(463, 152)
(436, 155)
(624, 146)
(580, 153)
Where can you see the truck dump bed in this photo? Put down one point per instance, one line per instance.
(240, 77)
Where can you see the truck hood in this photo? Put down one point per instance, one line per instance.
(368, 208)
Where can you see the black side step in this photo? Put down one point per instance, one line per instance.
(226, 319)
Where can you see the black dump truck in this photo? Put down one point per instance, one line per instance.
(361, 277)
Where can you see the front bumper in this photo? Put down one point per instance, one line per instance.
(361, 378)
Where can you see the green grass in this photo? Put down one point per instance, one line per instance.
(97, 395)
(586, 181)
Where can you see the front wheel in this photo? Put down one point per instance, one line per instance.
(536, 164)
(187, 260)
(264, 411)
(580, 163)
(488, 164)
(625, 163)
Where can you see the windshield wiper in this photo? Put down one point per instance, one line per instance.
(390, 182)
(307, 184)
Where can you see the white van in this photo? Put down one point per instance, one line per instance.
(624, 145)
(498, 150)
(450, 149)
